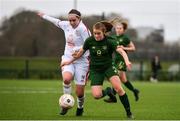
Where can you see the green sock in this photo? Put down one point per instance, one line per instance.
(129, 86)
(125, 101)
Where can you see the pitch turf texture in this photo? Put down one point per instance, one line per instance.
(38, 100)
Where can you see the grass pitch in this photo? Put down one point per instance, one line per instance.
(38, 100)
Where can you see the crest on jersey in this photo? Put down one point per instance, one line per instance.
(93, 47)
(104, 47)
(98, 52)
(117, 42)
(120, 40)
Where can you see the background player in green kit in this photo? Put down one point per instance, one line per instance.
(127, 45)
(101, 48)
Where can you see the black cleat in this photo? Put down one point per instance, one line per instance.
(112, 97)
(109, 100)
(130, 116)
(79, 111)
(136, 94)
(63, 111)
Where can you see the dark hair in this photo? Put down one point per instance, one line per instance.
(124, 25)
(74, 11)
(104, 26)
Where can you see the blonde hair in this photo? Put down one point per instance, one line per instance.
(119, 21)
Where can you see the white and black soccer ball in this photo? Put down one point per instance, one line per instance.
(66, 101)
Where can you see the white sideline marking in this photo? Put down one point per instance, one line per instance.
(25, 90)
(28, 90)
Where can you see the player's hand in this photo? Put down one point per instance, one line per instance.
(120, 46)
(65, 63)
(40, 14)
(75, 54)
(129, 66)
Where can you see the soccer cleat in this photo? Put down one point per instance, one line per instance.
(112, 97)
(79, 111)
(136, 94)
(130, 116)
(63, 111)
(109, 100)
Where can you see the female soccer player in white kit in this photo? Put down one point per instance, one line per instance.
(75, 34)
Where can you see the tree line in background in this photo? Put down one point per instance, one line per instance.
(26, 34)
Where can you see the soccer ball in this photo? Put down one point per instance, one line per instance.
(66, 101)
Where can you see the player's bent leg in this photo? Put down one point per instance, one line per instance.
(115, 81)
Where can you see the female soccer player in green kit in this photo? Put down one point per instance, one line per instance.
(127, 45)
(101, 48)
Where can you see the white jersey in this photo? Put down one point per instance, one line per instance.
(74, 37)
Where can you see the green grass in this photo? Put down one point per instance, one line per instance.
(34, 63)
(38, 100)
(53, 63)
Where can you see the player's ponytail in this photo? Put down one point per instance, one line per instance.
(119, 21)
(104, 26)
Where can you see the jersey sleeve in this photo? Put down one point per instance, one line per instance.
(56, 22)
(127, 40)
(86, 44)
(85, 33)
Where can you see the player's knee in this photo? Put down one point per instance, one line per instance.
(67, 78)
(80, 94)
(120, 91)
(123, 80)
(97, 95)
(67, 81)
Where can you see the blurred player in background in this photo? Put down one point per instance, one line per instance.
(155, 67)
(75, 34)
(101, 48)
(128, 46)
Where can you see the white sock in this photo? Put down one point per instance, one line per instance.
(80, 102)
(67, 88)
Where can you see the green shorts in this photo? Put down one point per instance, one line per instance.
(121, 66)
(97, 77)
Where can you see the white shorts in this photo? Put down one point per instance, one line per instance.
(78, 70)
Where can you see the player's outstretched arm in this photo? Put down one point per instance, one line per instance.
(129, 48)
(53, 20)
(40, 14)
(126, 59)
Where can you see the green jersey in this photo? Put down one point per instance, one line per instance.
(100, 52)
(118, 59)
